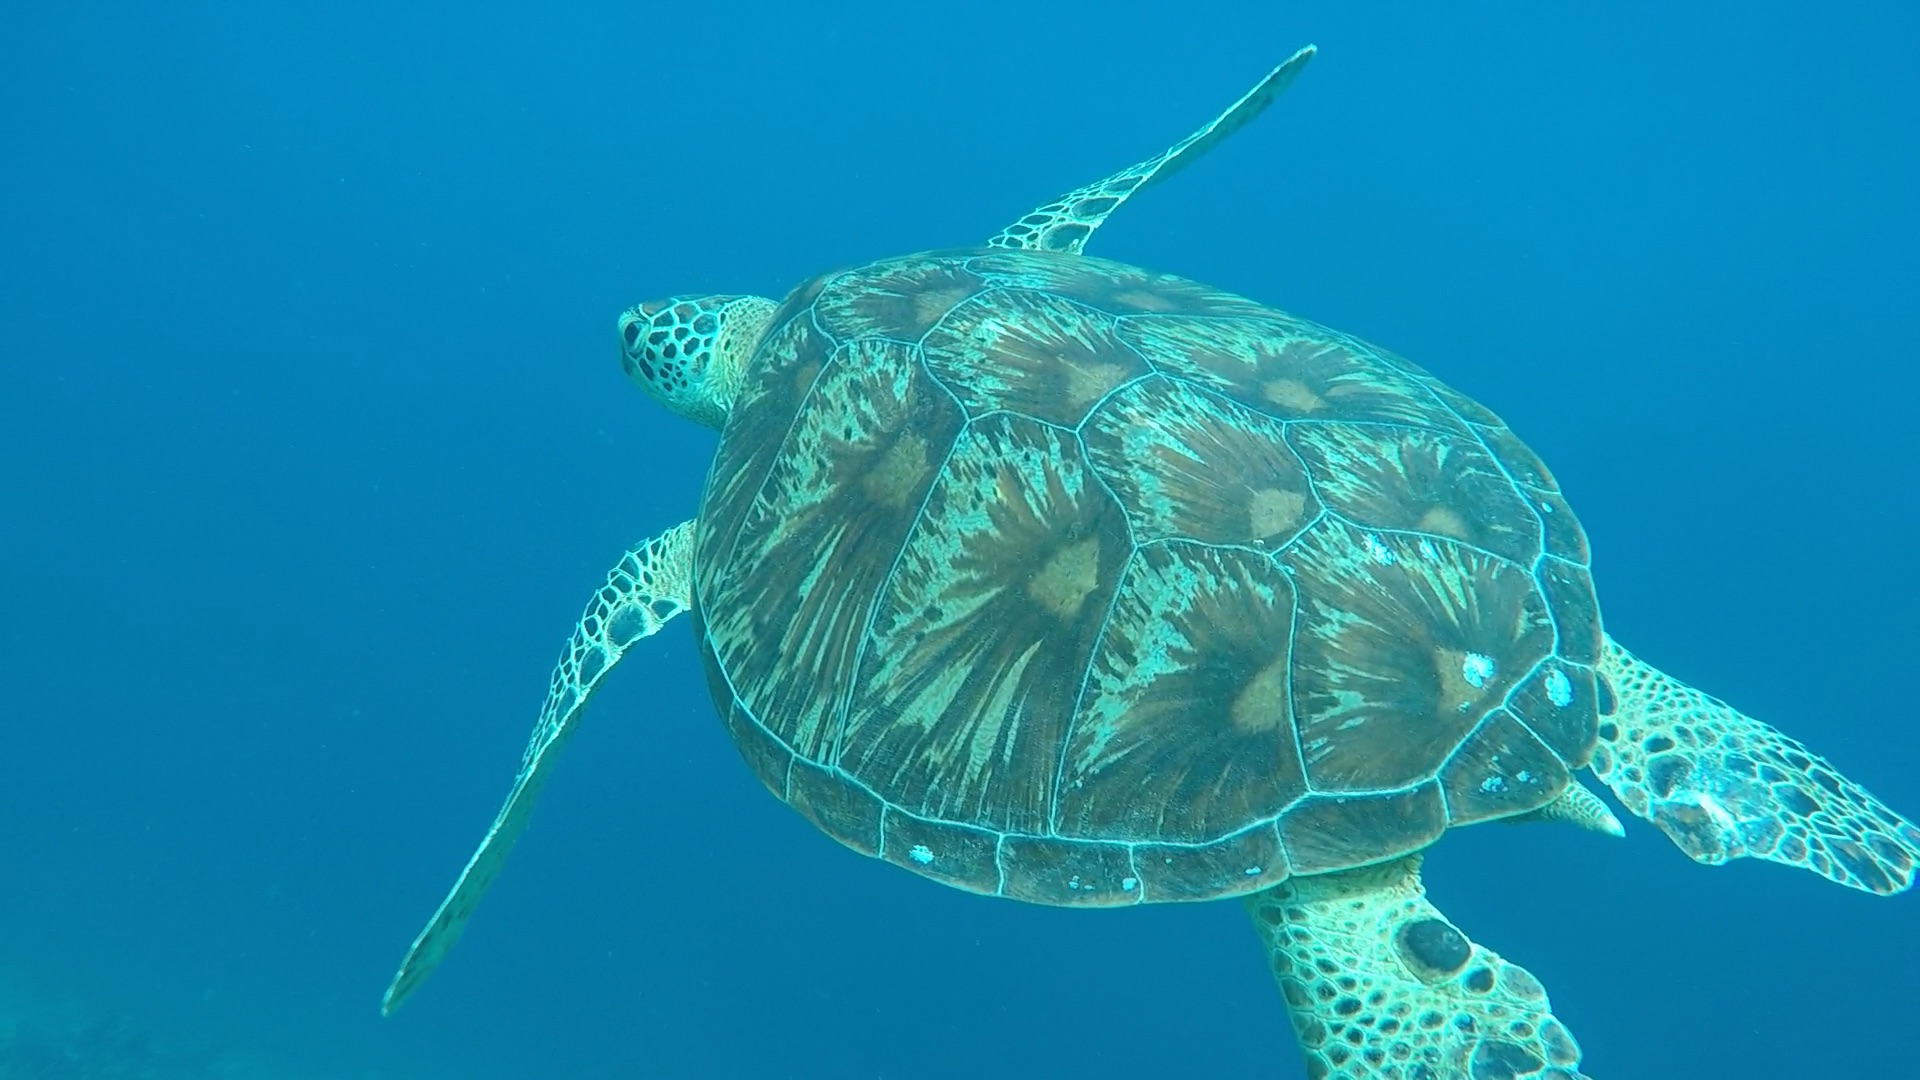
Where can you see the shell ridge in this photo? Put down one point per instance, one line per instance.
(1521, 683)
(920, 347)
(1500, 462)
(844, 708)
(1388, 530)
(1086, 675)
(1293, 712)
(1152, 373)
(793, 422)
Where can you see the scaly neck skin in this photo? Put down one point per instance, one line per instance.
(689, 352)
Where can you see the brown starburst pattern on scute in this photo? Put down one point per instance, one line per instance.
(1402, 644)
(1032, 353)
(1388, 477)
(1115, 288)
(983, 631)
(1285, 367)
(898, 298)
(1185, 732)
(789, 600)
(774, 387)
(1186, 463)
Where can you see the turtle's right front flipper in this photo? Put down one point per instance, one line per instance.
(1065, 223)
(651, 585)
(1723, 785)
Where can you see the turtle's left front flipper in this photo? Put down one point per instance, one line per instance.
(1065, 223)
(646, 589)
(1723, 785)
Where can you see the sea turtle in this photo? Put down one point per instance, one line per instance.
(1052, 578)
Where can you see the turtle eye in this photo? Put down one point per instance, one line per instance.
(632, 333)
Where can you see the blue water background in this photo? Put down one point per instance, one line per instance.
(313, 442)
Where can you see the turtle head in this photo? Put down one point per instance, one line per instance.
(687, 352)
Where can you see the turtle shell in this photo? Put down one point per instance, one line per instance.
(1048, 577)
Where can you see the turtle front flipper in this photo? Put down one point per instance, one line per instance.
(1065, 223)
(1723, 785)
(1379, 984)
(648, 587)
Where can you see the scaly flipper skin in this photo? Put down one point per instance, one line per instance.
(1577, 806)
(1722, 785)
(1067, 222)
(1381, 987)
(651, 585)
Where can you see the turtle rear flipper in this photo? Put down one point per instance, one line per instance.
(1378, 983)
(1723, 785)
(648, 587)
(1576, 806)
(1065, 223)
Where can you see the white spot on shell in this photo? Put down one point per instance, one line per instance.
(1493, 785)
(1127, 884)
(1559, 688)
(1428, 551)
(1477, 668)
(1253, 871)
(920, 853)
